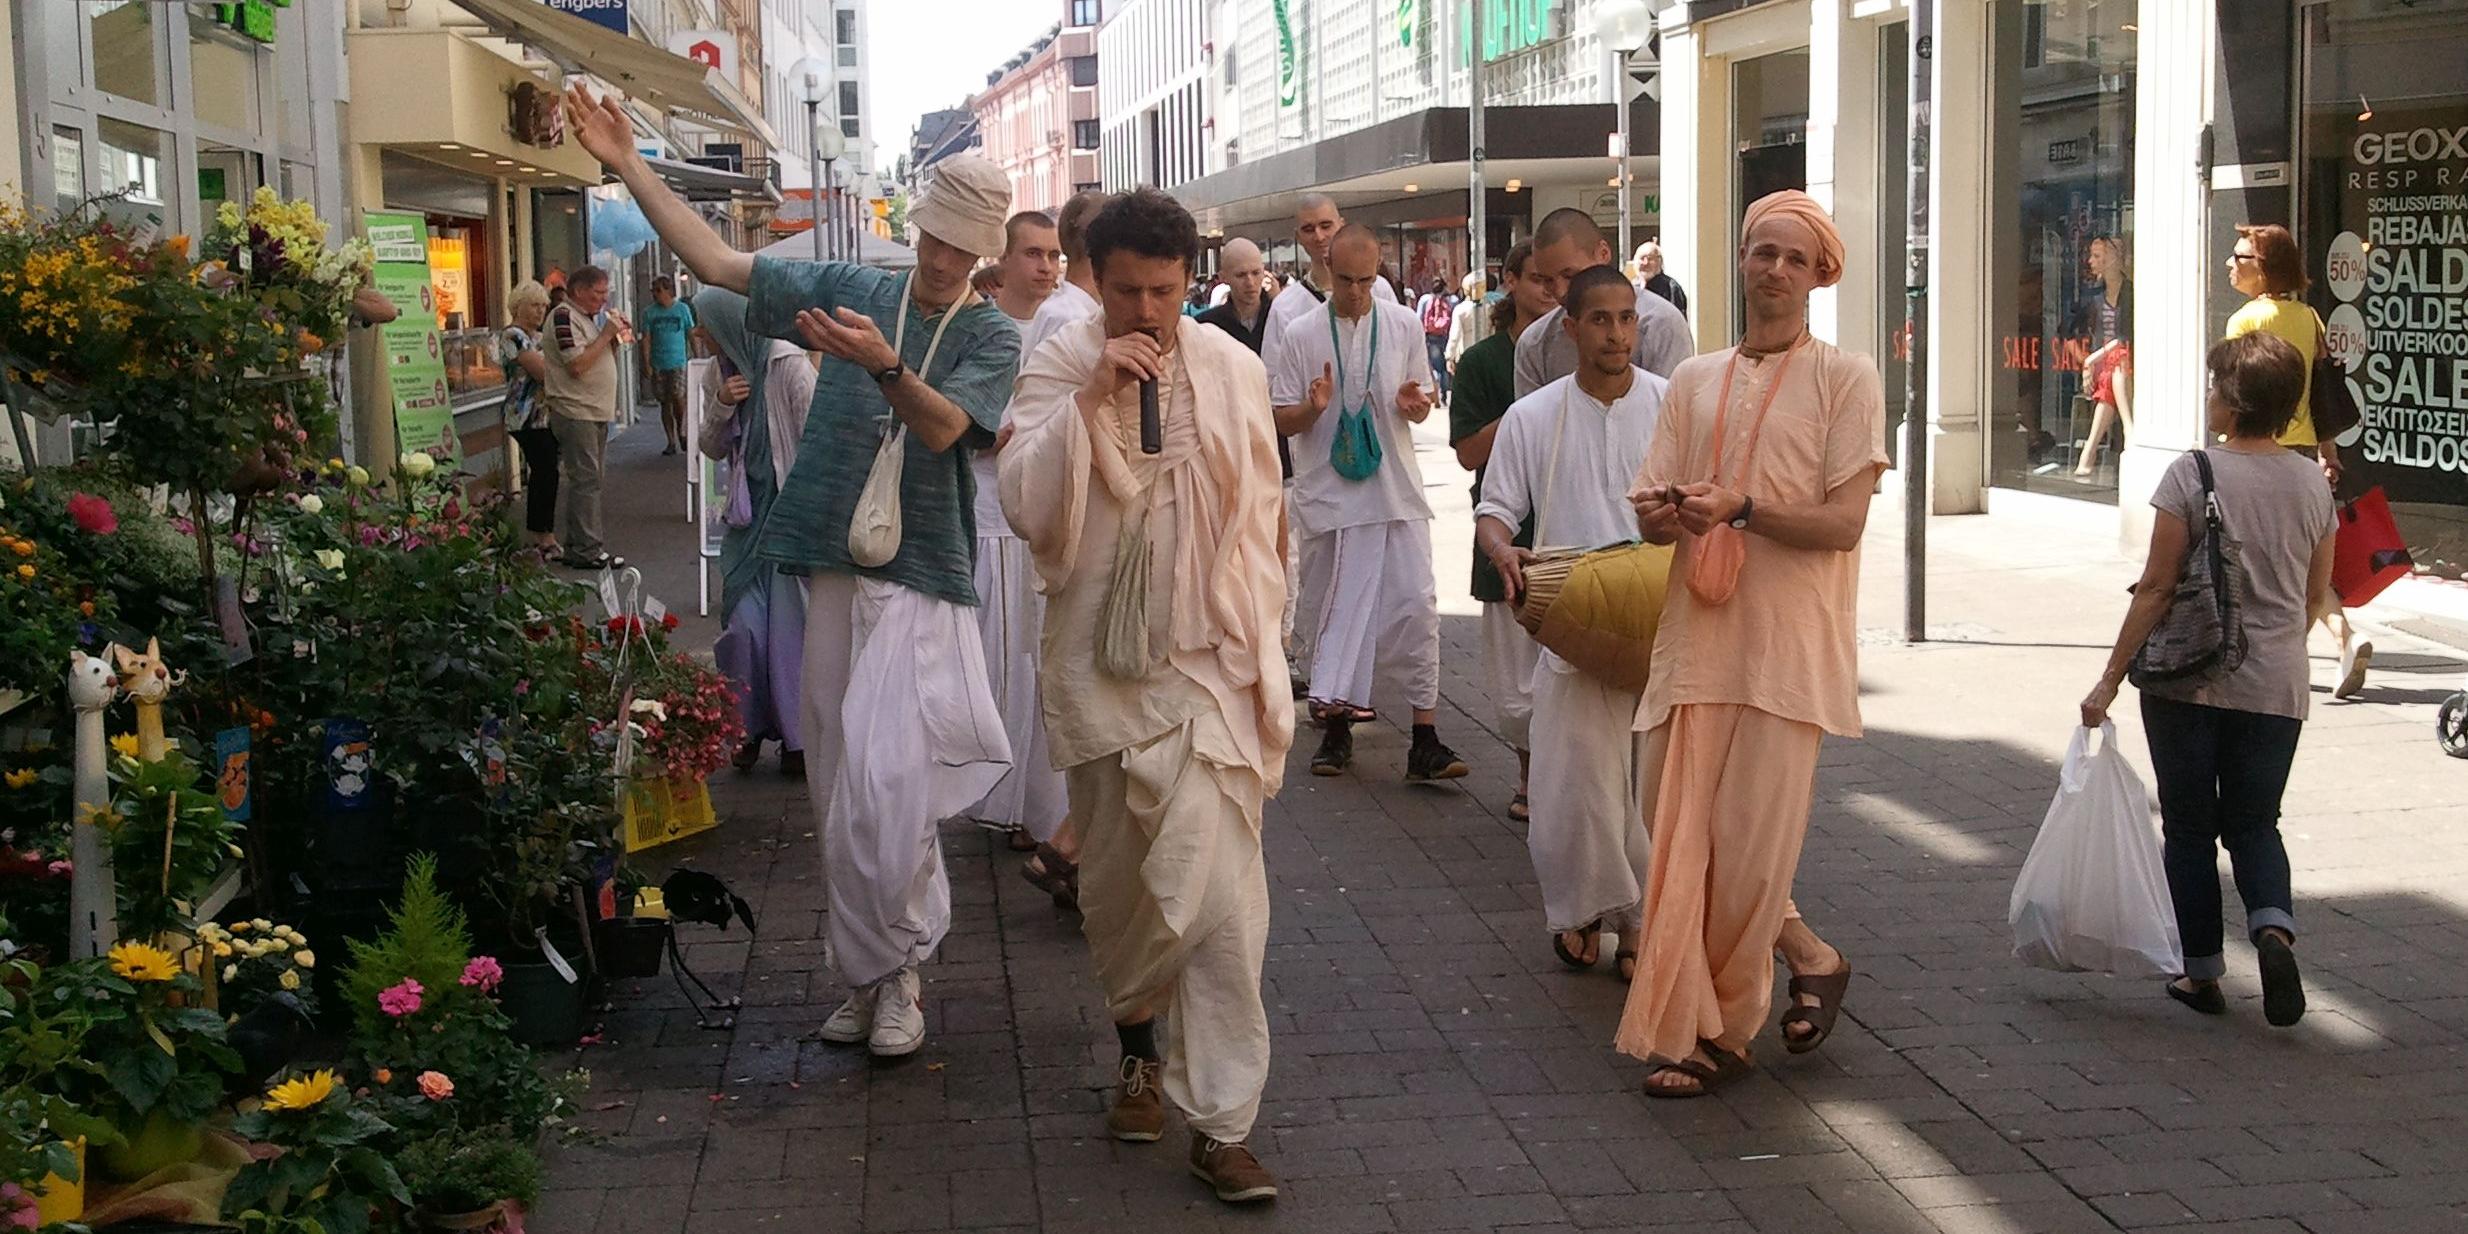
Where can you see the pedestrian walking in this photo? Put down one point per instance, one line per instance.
(1564, 458)
(1469, 323)
(1165, 674)
(2267, 265)
(1651, 277)
(1439, 313)
(1570, 241)
(1369, 598)
(1027, 804)
(580, 385)
(1484, 393)
(2222, 742)
(900, 725)
(761, 391)
(666, 326)
(526, 411)
(1761, 472)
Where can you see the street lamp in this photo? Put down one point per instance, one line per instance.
(1623, 26)
(822, 144)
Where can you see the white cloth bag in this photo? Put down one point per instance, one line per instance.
(2091, 896)
(874, 526)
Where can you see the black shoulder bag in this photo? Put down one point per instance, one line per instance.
(2203, 636)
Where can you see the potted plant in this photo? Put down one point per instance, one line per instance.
(470, 1181)
(332, 1171)
(43, 1135)
(159, 1062)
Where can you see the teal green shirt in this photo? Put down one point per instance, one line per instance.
(667, 329)
(808, 529)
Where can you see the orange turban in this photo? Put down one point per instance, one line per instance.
(1803, 209)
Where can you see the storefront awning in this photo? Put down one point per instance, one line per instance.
(695, 182)
(650, 74)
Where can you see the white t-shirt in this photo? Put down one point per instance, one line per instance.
(990, 520)
(1297, 300)
(1324, 501)
(1068, 304)
(1600, 450)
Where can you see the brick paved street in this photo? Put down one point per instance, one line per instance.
(1436, 1068)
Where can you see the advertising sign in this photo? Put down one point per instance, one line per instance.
(414, 354)
(2395, 266)
(1289, 70)
(609, 13)
(714, 49)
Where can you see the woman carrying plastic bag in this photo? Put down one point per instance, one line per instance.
(2091, 897)
(2242, 545)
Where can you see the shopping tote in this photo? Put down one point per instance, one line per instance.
(2091, 896)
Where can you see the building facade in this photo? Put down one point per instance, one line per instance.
(2065, 181)
(1155, 110)
(1037, 117)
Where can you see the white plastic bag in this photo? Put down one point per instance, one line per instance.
(2091, 896)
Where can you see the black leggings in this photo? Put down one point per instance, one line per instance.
(2221, 774)
(539, 479)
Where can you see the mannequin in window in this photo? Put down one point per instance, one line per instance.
(2107, 317)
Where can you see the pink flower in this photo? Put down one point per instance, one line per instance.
(60, 869)
(435, 1086)
(401, 1000)
(93, 514)
(483, 974)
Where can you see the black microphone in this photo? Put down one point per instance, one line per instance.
(1152, 431)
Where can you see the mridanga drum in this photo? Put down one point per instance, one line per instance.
(1598, 608)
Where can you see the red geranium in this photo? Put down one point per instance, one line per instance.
(93, 514)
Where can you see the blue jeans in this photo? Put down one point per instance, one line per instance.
(1437, 346)
(2221, 774)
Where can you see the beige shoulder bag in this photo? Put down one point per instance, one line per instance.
(874, 526)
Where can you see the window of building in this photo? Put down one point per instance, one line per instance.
(1088, 187)
(848, 57)
(223, 77)
(1231, 77)
(1084, 70)
(68, 168)
(844, 26)
(1084, 135)
(2061, 217)
(2384, 90)
(1086, 12)
(135, 162)
(848, 99)
(850, 127)
(123, 47)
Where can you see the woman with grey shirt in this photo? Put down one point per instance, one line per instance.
(2221, 749)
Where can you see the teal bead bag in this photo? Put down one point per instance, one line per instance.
(1355, 450)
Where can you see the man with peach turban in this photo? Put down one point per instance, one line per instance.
(1761, 471)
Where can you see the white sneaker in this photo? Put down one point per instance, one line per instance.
(2353, 662)
(899, 1015)
(853, 1021)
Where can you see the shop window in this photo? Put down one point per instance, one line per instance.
(122, 44)
(2385, 106)
(2061, 222)
(223, 78)
(134, 162)
(226, 174)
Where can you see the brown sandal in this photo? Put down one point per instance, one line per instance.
(1728, 1069)
(1056, 875)
(1590, 932)
(1828, 989)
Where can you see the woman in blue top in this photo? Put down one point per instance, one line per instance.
(764, 390)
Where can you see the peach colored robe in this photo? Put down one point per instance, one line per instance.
(1744, 692)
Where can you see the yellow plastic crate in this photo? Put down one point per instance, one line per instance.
(657, 811)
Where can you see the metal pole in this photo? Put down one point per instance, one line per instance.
(1477, 222)
(828, 207)
(1915, 327)
(814, 175)
(1619, 95)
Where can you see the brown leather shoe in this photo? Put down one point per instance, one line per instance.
(1138, 1116)
(1231, 1171)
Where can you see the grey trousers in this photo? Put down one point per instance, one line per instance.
(582, 459)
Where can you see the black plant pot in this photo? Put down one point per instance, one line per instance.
(547, 1009)
(630, 946)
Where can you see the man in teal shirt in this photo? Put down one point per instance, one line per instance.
(667, 323)
(900, 723)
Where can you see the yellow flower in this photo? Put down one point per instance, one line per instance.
(301, 1092)
(25, 571)
(330, 560)
(222, 950)
(290, 979)
(305, 959)
(139, 962)
(124, 745)
(22, 778)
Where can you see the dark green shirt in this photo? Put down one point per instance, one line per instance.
(1485, 386)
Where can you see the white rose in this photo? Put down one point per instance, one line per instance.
(417, 464)
(312, 504)
(330, 559)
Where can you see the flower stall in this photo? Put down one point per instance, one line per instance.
(314, 785)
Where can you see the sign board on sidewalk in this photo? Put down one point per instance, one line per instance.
(414, 354)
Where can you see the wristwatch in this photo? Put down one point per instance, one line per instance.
(892, 374)
(1748, 506)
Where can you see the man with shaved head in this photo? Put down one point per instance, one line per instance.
(1761, 470)
(1350, 376)
(1316, 224)
(1568, 242)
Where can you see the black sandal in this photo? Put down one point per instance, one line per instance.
(1590, 932)
(1728, 1069)
(1828, 989)
(1054, 874)
(2204, 997)
(1520, 809)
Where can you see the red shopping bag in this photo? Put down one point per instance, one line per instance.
(2369, 554)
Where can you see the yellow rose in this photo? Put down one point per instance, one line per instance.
(312, 504)
(231, 972)
(330, 560)
(356, 476)
(417, 464)
(290, 979)
(222, 950)
(305, 959)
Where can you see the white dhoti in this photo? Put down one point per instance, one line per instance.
(1509, 656)
(1297, 635)
(1174, 902)
(1376, 607)
(901, 733)
(1588, 833)
(1010, 621)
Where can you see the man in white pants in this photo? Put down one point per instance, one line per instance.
(901, 730)
(1564, 456)
(1351, 377)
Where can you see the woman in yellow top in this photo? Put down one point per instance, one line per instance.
(2267, 265)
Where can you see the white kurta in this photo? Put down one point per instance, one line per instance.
(1323, 500)
(1295, 301)
(1011, 619)
(1572, 457)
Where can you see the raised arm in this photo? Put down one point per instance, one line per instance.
(602, 128)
